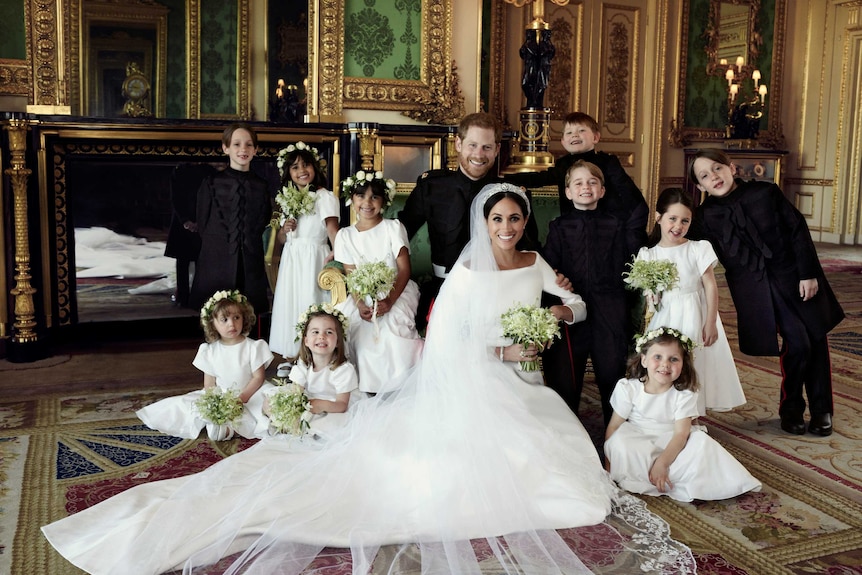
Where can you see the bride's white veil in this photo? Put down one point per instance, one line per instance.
(445, 471)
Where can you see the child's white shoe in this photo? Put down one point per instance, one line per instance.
(219, 432)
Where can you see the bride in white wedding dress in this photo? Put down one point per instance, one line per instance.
(467, 465)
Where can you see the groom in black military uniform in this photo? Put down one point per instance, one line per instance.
(442, 199)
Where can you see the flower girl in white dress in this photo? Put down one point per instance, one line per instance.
(310, 215)
(230, 360)
(651, 445)
(692, 305)
(322, 369)
(383, 339)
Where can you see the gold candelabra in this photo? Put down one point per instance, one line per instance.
(743, 118)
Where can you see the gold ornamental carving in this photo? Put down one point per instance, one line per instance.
(24, 325)
(14, 78)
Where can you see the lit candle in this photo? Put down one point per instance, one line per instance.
(729, 76)
(723, 61)
(279, 91)
(734, 89)
(762, 92)
(739, 62)
(756, 77)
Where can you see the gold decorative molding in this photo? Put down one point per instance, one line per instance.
(335, 92)
(367, 148)
(24, 326)
(444, 104)
(326, 58)
(620, 67)
(810, 182)
(45, 48)
(496, 104)
(14, 78)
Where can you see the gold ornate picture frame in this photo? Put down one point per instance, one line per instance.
(683, 132)
(104, 12)
(330, 92)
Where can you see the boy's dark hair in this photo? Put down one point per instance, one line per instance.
(584, 119)
(687, 379)
(307, 157)
(228, 132)
(339, 357)
(667, 198)
(480, 120)
(713, 154)
(224, 306)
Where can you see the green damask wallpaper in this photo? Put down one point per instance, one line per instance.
(706, 96)
(175, 106)
(382, 39)
(13, 44)
(218, 57)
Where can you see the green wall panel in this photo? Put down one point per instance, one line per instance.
(13, 42)
(382, 39)
(175, 106)
(218, 57)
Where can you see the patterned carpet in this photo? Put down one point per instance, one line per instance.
(77, 442)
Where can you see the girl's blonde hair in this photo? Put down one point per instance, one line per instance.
(225, 306)
(687, 379)
(339, 355)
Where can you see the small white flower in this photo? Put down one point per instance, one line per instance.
(360, 175)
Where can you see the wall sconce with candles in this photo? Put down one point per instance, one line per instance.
(743, 117)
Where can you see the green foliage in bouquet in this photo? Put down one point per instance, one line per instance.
(289, 409)
(219, 406)
(530, 325)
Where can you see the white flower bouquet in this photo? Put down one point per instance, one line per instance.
(530, 325)
(219, 406)
(289, 409)
(652, 278)
(371, 281)
(294, 202)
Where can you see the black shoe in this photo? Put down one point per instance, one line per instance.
(821, 424)
(793, 423)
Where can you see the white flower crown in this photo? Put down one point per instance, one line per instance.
(361, 178)
(684, 340)
(233, 295)
(326, 308)
(282, 155)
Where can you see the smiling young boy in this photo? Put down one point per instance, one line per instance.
(581, 133)
(590, 245)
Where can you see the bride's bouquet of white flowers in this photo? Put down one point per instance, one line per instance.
(653, 278)
(219, 406)
(289, 409)
(527, 325)
(294, 202)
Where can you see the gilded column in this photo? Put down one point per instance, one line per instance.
(24, 325)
